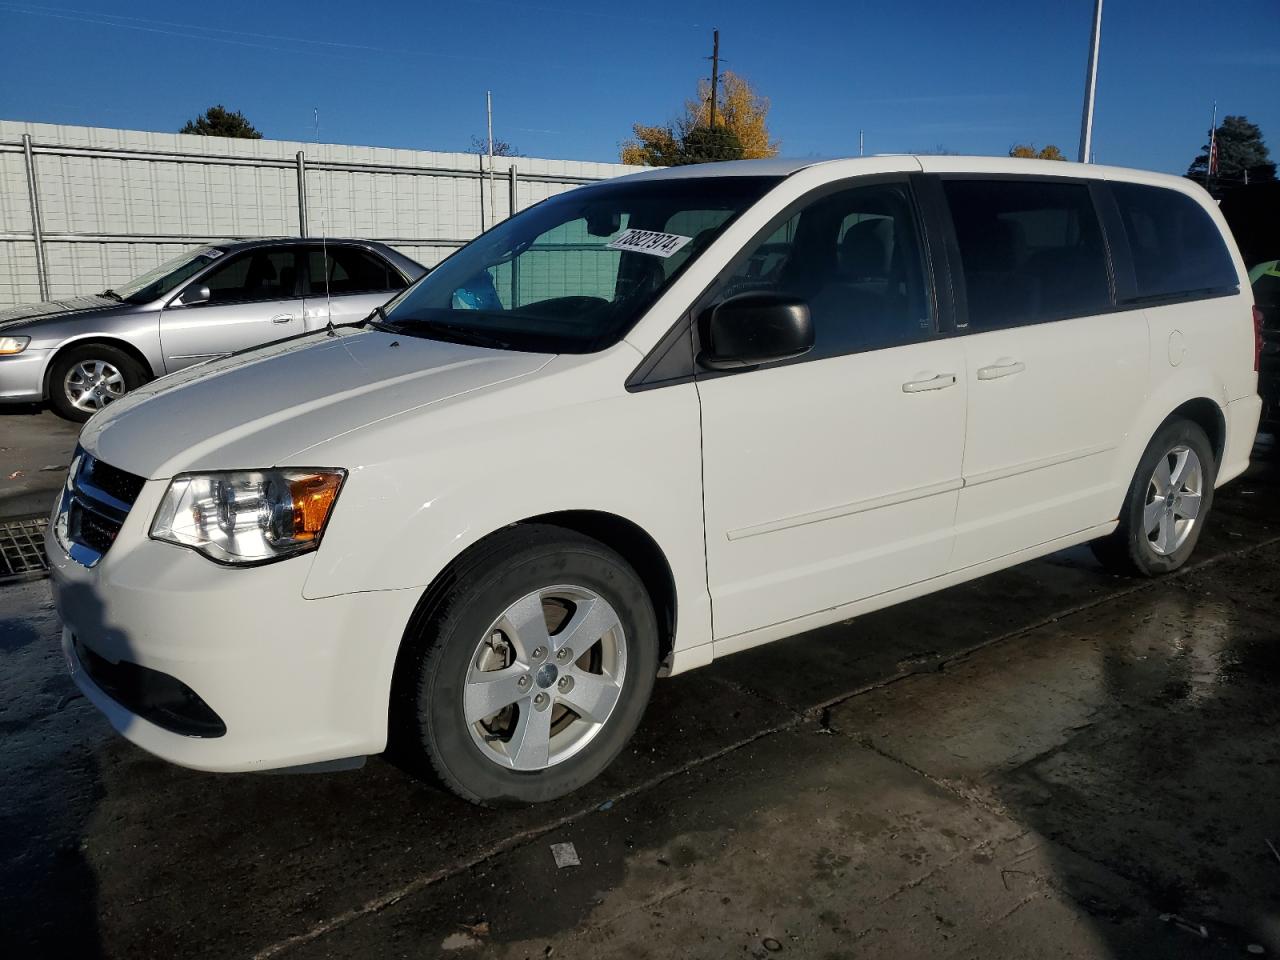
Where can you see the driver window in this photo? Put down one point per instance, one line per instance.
(855, 258)
(259, 275)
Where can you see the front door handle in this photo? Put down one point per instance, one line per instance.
(939, 382)
(1004, 367)
(282, 318)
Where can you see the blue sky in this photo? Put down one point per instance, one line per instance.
(569, 76)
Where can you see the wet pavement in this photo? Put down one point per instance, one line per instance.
(1047, 762)
(35, 450)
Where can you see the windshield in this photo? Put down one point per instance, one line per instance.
(574, 273)
(168, 276)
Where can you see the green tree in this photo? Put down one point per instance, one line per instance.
(708, 144)
(1241, 151)
(682, 143)
(1029, 151)
(218, 121)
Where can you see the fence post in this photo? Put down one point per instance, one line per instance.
(37, 235)
(302, 195)
(513, 206)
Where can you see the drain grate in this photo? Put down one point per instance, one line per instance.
(22, 548)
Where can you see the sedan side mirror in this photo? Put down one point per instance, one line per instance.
(194, 296)
(755, 328)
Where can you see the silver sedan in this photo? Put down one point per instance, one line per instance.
(81, 354)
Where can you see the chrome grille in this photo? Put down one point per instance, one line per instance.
(94, 507)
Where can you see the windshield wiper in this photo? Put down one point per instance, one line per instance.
(111, 294)
(379, 324)
(452, 332)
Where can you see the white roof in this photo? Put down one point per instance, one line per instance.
(783, 167)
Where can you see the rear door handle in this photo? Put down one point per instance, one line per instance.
(939, 382)
(282, 318)
(1004, 367)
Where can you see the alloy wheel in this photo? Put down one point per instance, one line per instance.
(545, 678)
(1174, 495)
(92, 384)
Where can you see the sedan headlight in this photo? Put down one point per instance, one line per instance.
(248, 516)
(11, 345)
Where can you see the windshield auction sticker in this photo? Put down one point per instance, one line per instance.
(649, 241)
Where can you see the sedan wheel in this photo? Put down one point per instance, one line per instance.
(91, 384)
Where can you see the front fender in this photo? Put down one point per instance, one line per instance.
(424, 487)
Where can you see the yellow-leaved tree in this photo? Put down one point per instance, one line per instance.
(739, 109)
(1028, 151)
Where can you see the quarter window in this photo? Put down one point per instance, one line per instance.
(1031, 251)
(1177, 248)
(854, 257)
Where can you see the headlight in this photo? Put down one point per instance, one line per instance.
(11, 345)
(248, 516)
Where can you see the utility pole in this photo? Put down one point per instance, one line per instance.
(488, 106)
(715, 72)
(1090, 83)
(1213, 144)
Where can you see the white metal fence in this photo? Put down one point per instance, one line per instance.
(83, 208)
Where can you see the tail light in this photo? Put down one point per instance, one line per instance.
(1257, 338)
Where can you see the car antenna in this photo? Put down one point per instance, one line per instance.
(324, 244)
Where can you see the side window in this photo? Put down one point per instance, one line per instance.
(855, 258)
(351, 270)
(1031, 251)
(1177, 248)
(257, 275)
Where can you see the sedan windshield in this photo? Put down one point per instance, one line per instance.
(573, 273)
(168, 276)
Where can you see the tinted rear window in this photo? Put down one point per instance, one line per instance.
(1177, 249)
(1031, 250)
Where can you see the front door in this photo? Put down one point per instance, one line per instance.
(1054, 373)
(254, 297)
(834, 477)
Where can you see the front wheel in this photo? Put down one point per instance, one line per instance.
(85, 379)
(1166, 506)
(534, 670)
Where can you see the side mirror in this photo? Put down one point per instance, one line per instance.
(755, 328)
(194, 296)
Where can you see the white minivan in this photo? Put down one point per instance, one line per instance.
(638, 426)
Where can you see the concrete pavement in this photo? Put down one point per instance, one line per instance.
(1043, 763)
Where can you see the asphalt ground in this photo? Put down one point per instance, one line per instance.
(1047, 762)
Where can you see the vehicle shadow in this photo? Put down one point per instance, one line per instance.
(50, 787)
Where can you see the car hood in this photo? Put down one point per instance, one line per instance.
(12, 317)
(259, 408)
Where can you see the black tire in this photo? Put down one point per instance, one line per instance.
(1128, 550)
(429, 729)
(62, 402)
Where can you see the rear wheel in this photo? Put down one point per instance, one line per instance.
(85, 379)
(534, 670)
(1167, 504)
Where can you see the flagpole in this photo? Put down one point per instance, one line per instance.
(1213, 145)
(1090, 85)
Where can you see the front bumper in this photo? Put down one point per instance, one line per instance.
(293, 681)
(22, 376)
